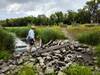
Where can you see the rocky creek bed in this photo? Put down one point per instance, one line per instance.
(51, 58)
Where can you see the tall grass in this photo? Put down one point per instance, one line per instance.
(5, 55)
(19, 31)
(78, 70)
(76, 30)
(91, 38)
(97, 53)
(7, 41)
(45, 33)
(27, 71)
(50, 33)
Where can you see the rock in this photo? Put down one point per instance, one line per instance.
(48, 57)
(3, 65)
(72, 47)
(2, 74)
(65, 42)
(4, 69)
(25, 54)
(64, 51)
(20, 61)
(41, 61)
(79, 49)
(30, 64)
(13, 62)
(58, 55)
(12, 67)
(59, 42)
(70, 56)
(1, 62)
(68, 64)
(49, 70)
(57, 51)
(84, 46)
(26, 58)
(17, 55)
(66, 60)
(44, 54)
(61, 73)
(55, 57)
(32, 60)
(79, 56)
(60, 63)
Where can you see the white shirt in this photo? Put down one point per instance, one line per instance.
(31, 34)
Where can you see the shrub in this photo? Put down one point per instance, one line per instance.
(5, 54)
(19, 31)
(48, 34)
(27, 71)
(78, 70)
(6, 40)
(91, 38)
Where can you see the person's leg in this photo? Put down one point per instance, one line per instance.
(30, 49)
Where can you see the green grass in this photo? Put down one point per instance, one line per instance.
(7, 41)
(97, 53)
(91, 38)
(76, 30)
(78, 70)
(45, 33)
(27, 70)
(19, 31)
(5, 55)
(53, 33)
(85, 34)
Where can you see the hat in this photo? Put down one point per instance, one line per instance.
(32, 27)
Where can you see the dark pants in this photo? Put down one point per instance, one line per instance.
(31, 41)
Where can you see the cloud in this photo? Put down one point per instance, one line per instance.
(20, 8)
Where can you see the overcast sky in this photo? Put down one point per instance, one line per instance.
(20, 8)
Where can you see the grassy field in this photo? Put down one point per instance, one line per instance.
(76, 30)
(40, 32)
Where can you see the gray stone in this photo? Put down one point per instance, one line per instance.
(2, 74)
(12, 67)
(32, 60)
(57, 51)
(61, 73)
(1, 62)
(79, 49)
(17, 55)
(4, 69)
(45, 54)
(49, 70)
(79, 56)
(19, 61)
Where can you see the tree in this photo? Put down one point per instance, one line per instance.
(93, 6)
(83, 16)
(71, 17)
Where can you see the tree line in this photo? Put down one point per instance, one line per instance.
(90, 13)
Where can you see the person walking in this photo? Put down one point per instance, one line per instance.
(31, 38)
